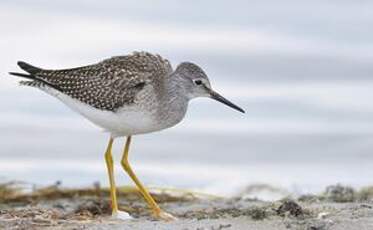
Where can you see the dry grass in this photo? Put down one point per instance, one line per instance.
(14, 192)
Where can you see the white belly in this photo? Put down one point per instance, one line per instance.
(127, 121)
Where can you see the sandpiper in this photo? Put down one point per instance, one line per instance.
(126, 95)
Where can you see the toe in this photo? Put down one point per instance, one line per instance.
(161, 215)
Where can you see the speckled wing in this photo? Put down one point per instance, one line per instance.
(107, 85)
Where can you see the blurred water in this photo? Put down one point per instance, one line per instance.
(301, 70)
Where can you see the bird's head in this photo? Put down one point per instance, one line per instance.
(195, 83)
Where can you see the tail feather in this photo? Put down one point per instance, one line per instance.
(33, 75)
(36, 82)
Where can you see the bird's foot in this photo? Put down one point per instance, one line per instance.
(121, 215)
(162, 215)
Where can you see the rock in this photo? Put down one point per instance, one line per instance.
(290, 207)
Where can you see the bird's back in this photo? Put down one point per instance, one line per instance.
(107, 85)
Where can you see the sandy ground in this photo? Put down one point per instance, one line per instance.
(55, 208)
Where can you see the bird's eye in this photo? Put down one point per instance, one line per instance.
(198, 82)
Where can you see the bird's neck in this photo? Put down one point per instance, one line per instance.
(175, 89)
(174, 101)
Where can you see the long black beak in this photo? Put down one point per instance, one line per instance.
(218, 97)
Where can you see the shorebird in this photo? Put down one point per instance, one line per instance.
(126, 95)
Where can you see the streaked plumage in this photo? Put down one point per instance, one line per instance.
(107, 85)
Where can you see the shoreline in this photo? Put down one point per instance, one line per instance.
(52, 207)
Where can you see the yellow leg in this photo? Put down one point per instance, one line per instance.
(157, 212)
(110, 168)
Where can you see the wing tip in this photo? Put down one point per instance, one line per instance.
(28, 68)
(21, 75)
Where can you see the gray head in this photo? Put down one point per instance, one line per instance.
(195, 83)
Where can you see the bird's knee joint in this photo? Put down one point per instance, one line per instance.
(108, 157)
(125, 164)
